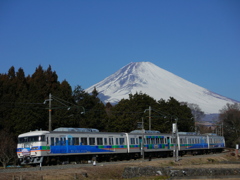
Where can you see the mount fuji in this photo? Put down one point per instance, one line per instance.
(158, 83)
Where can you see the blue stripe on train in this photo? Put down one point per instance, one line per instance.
(205, 145)
(76, 149)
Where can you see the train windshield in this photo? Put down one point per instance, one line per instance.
(31, 139)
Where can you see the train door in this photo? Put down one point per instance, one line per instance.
(111, 142)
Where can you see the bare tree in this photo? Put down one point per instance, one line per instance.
(230, 119)
(198, 114)
(7, 148)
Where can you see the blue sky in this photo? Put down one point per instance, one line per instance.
(87, 40)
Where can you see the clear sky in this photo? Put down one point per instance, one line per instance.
(85, 41)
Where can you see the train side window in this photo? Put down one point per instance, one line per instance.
(111, 141)
(75, 141)
(84, 141)
(99, 141)
(148, 141)
(116, 141)
(91, 141)
(105, 141)
(136, 140)
(52, 141)
(122, 141)
(57, 141)
(69, 141)
(132, 140)
(63, 141)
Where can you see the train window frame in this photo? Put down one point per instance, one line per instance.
(52, 141)
(38, 138)
(84, 141)
(57, 142)
(92, 141)
(132, 140)
(99, 141)
(137, 142)
(148, 141)
(111, 140)
(153, 140)
(69, 141)
(75, 141)
(122, 141)
(161, 140)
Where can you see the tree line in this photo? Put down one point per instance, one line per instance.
(23, 109)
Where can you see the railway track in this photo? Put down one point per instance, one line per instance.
(74, 165)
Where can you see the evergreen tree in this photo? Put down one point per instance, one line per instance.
(128, 112)
(175, 112)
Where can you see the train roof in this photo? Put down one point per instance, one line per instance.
(65, 129)
(33, 133)
(146, 131)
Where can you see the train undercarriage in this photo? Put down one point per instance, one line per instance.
(89, 158)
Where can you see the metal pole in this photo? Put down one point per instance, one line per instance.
(149, 117)
(50, 112)
(176, 157)
(142, 139)
(222, 129)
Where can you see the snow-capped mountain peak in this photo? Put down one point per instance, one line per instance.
(158, 83)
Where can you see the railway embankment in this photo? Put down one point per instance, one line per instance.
(211, 166)
(184, 173)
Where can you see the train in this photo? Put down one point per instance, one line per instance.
(78, 145)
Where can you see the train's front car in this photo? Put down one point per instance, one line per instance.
(32, 146)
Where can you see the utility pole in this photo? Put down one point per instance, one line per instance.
(142, 144)
(175, 137)
(50, 112)
(149, 117)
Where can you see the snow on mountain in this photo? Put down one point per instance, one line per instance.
(158, 83)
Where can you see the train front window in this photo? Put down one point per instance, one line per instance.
(31, 139)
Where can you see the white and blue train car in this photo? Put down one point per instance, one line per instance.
(82, 144)
(194, 143)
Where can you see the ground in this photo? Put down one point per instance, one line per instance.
(115, 170)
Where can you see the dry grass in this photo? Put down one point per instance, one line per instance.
(114, 171)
